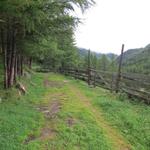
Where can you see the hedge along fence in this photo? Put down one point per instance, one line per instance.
(135, 85)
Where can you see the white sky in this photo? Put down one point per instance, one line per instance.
(111, 23)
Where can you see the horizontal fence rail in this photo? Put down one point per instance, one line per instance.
(135, 85)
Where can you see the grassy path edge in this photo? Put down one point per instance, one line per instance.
(118, 142)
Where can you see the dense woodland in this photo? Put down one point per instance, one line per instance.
(39, 30)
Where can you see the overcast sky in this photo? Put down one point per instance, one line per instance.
(111, 23)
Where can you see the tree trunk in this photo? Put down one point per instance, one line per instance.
(21, 65)
(13, 57)
(15, 69)
(4, 51)
(30, 63)
(8, 50)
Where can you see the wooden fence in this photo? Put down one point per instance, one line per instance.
(135, 85)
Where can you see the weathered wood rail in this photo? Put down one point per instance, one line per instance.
(135, 85)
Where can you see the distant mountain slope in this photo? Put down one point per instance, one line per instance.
(84, 52)
(130, 54)
(134, 60)
(137, 60)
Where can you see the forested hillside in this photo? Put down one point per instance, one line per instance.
(137, 60)
(83, 52)
(134, 60)
(99, 61)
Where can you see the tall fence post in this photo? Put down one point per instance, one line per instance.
(112, 82)
(94, 78)
(89, 67)
(119, 70)
(76, 74)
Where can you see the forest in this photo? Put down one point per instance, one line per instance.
(37, 30)
(55, 95)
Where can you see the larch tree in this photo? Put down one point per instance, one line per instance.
(34, 29)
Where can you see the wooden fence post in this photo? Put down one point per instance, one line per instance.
(95, 79)
(119, 69)
(112, 81)
(89, 67)
(76, 74)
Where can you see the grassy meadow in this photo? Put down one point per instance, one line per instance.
(59, 112)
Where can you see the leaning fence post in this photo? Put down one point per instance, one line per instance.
(89, 70)
(119, 70)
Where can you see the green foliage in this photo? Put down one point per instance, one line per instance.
(103, 63)
(98, 61)
(94, 61)
(44, 29)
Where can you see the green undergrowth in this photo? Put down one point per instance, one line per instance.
(131, 118)
(18, 116)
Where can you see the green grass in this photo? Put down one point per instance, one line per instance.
(19, 119)
(132, 119)
(84, 134)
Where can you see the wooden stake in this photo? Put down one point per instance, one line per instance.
(112, 79)
(119, 69)
(95, 79)
(89, 67)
